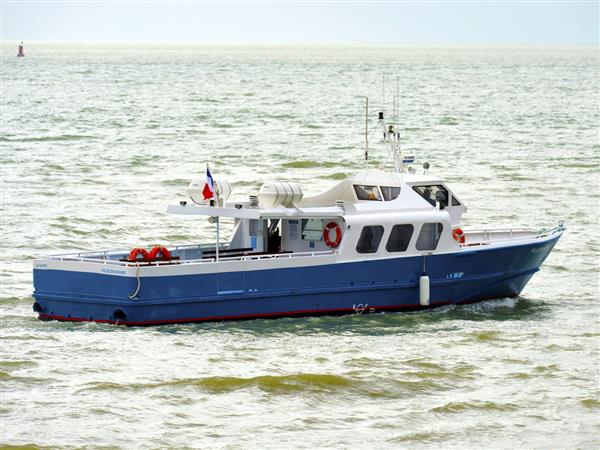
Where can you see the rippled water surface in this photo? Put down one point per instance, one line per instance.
(97, 140)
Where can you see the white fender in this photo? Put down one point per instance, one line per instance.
(424, 290)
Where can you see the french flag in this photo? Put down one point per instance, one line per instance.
(209, 187)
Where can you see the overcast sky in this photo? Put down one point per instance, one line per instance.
(533, 22)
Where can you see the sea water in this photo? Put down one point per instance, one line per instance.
(97, 140)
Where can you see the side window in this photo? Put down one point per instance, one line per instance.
(390, 192)
(455, 202)
(369, 240)
(433, 193)
(399, 238)
(312, 229)
(429, 236)
(364, 192)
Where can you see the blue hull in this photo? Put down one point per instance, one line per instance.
(341, 288)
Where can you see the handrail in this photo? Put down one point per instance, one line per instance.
(79, 259)
(190, 261)
(106, 253)
(559, 227)
(488, 237)
(498, 230)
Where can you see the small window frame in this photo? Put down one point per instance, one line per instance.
(380, 229)
(440, 231)
(382, 189)
(431, 199)
(410, 237)
(373, 187)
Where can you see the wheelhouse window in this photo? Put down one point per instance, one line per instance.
(429, 236)
(399, 238)
(364, 192)
(433, 193)
(369, 240)
(390, 192)
(455, 202)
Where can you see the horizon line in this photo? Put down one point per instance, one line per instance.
(303, 44)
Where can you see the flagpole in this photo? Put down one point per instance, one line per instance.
(214, 201)
(217, 246)
(218, 221)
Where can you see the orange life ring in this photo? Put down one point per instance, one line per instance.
(136, 252)
(458, 235)
(338, 235)
(162, 251)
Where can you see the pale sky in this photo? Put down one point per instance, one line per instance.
(467, 22)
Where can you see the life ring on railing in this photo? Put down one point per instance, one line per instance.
(338, 235)
(458, 235)
(136, 252)
(162, 251)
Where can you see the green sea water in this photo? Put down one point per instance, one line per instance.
(96, 140)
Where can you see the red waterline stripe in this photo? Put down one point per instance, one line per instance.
(241, 316)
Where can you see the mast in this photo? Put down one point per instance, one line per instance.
(383, 93)
(391, 133)
(366, 132)
(397, 102)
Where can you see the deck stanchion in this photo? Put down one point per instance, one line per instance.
(217, 246)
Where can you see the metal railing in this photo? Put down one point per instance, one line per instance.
(104, 254)
(490, 236)
(76, 258)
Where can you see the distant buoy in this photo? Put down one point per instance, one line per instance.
(424, 290)
(21, 51)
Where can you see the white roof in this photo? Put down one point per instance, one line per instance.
(371, 177)
(326, 204)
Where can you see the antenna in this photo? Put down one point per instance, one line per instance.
(383, 93)
(367, 132)
(397, 102)
(391, 133)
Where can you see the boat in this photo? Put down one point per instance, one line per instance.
(382, 240)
